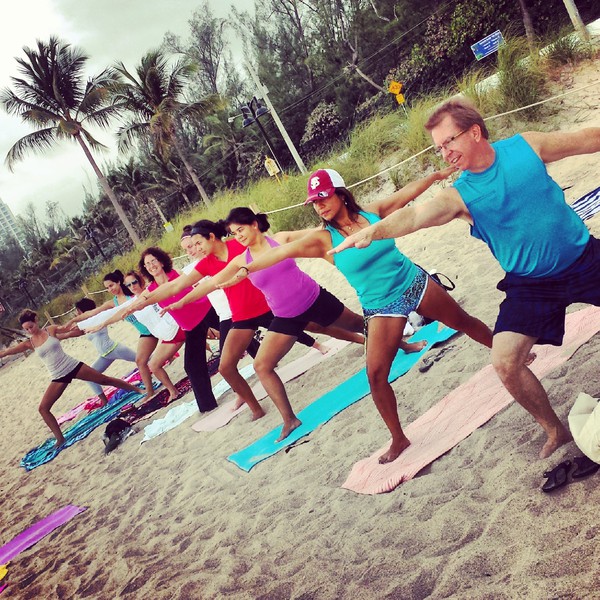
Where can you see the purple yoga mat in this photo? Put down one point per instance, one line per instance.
(36, 532)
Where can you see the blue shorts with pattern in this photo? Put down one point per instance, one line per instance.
(408, 302)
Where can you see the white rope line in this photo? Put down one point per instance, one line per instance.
(431, 147)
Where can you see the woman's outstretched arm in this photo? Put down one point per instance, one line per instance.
(408, 193)
(17, 349)
(312, 245)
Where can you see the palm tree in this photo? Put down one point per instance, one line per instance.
(154, 101)
(52, 97)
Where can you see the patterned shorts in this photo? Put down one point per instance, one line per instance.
(408, 302)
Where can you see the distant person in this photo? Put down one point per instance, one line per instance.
(519, 211)
(62, 367)
(114, 284)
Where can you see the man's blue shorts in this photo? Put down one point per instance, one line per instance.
(536, 306)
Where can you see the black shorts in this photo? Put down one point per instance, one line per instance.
(536, 306)
(70, 375)
(324, 311)
(254, 323)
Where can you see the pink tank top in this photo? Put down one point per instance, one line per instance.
(288, 289)
(191, 314)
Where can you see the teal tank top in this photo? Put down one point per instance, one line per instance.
(379, 273)
(520, 212)
(142, 329)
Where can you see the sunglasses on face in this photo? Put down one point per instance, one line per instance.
(132, 283)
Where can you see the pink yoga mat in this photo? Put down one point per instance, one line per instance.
(462, 411)
(36, 532)
(225, 413)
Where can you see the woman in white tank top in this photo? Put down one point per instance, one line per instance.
(62, 367)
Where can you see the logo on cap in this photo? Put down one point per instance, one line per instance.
(314, 183)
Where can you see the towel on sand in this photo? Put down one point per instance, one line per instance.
(344, 395)
(462, 411)
(37, 531)
(178, 414)
(587, 206)
(225, 413)
(81, 429)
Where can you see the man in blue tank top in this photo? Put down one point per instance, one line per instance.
(519, 211)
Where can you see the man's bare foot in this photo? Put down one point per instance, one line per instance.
(103, 400)
(257, 414)
(530, 358)
(556, 441)
(413, 347)
(320, 347)
(394, 451)
(60, 441)
(287, 429)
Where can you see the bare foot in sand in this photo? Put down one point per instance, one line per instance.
(394, 451)
(554, 442)
(530, 358)
(257, 414)
(239, 402)
(320, 347)
(60, 441)
(173, 395)
(288, 428)
(413, 347)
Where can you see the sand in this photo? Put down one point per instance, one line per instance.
(173, 519)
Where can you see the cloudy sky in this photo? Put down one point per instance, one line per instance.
(107, 31)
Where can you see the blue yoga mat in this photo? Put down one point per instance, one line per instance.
(81, 429)
(344, 395)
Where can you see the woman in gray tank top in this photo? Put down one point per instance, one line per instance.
(62, 367)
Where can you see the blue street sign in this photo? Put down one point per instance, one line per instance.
(487, 45)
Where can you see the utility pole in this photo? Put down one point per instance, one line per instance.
(576, 19)
(263, 93)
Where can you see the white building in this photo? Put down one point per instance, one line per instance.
(9, 226)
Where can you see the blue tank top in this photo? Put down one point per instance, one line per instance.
(142, 329)
(520, 212)
(379, 273)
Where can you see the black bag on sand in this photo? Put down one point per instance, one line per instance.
(115, 434)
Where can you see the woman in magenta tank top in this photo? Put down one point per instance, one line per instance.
(195, 319)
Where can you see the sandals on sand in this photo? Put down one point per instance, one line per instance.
(429, 360)
(559, 476)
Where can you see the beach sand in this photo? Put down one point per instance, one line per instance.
(172, 519)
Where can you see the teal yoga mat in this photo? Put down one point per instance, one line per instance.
(330, 404)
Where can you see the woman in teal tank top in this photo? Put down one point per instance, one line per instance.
(388, 284)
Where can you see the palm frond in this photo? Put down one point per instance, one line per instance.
(38, 141)
(94, 143)
(127, 134)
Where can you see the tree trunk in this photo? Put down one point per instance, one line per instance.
(528, 23)
(191, 172)
(109, 192)
(368, 79)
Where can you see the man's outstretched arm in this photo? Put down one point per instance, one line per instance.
(443, 208)
(561, 144)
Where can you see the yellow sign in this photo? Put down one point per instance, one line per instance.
(271, 166)
(400, 98)
(395, 87)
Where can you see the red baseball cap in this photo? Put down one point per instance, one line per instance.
(322, 184)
